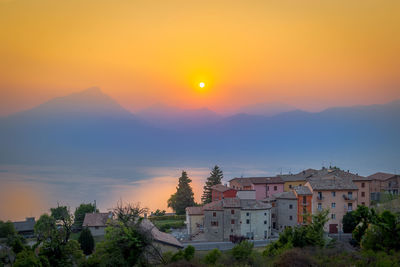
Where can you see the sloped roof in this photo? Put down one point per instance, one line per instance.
(221, 188)
(340, 173)
(215, 205)
(231, 202)
(301, 176)
(331, 182)
(23, 226)
(251, 204)
(159, 236)
(382, 176)
(242, 181)
(96, 219)
(302, 190)
(195, 210)
(286, 195)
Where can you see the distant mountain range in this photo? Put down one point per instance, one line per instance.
(91, 128)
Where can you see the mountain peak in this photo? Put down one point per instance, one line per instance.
(92, 90)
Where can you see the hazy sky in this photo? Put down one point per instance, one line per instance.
(310, 54)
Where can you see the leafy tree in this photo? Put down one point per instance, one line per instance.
(63, 216)
(215, 178)
(7, 229)
(363, 216)
(188, 252)
(383, 233)
(300, 236)
(159, 213)
(242, 251)
(349, 222)
(16, 242)
(86, 240)
(183, 197)
(26, 258)
(45, 227)
(80, 212)
(212, 256)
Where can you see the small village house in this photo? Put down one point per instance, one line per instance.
(26, 228)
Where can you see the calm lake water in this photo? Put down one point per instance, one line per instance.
(31, 190)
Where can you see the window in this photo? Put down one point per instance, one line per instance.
(333, 216)
(291, 217)
(363, 194)
(319, 195)
(304, 199)
(96, 227)
(290, 206)
(265, 222)
(267, 188)
(214, 223)
(333, 194)
(362, 185)
(333, 205)
(265, 214)
(275, 188)
(350, 207)
(232, 221)
(319, 206)
(290, 186)
(350, 195)
(232, 211)
(363, 203)
(247, 221)
(214, 214)
(273, 215)
(247, 214)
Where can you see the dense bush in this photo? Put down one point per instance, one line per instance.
(167, 217)
(86, 241)
(242, 251)
(212, 256)
(165, 227)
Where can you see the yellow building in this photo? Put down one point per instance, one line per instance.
(293, 180)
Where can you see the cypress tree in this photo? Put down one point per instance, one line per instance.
(86, 240)
(215, 177)
(183, 197)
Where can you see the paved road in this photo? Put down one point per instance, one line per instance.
(224, 245)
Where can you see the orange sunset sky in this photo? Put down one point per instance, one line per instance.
(310, 54)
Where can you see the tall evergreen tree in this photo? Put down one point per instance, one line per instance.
(183, 197)
(86, 240)
(216, 176)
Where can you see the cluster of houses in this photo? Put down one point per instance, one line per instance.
(255, 207)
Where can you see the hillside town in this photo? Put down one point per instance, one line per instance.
(246, 211)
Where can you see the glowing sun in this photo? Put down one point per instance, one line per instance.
(202, 85)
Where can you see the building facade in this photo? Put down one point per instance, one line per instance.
(286, 210)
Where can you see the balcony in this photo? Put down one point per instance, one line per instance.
(349, 198)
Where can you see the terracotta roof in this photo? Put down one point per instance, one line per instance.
(382, 176)
(301, 176)
(159, 236)
(221, 188)
(331, 182)
(231, 202)
(302, 190)
(286, 195)
(247, 204)
(27, 225)
(251, 204)
(195, 210)
(340, 173)
(96, 219)
(215, 205)
(242, 181)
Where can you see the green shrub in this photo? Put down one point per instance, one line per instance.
(27, 258)
(242, 251)
(212, 256)
(188, 253)
(167, 217)
(86, 241)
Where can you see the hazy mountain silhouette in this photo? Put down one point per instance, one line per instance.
(164, 116)
(91, 128)
(266, 109)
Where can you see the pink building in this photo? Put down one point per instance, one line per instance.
(264, 186)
